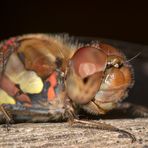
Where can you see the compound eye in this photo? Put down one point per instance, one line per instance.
(85, 74)
(88, 60)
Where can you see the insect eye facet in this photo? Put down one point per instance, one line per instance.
(85, 80)
(84, 74)
(88, 60)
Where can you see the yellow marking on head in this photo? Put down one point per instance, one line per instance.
(5, 98)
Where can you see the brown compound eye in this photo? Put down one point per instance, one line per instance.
(85, 74)
(88, 60)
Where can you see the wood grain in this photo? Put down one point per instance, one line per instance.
(62, 135)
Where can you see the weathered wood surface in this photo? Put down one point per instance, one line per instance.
(62, 135)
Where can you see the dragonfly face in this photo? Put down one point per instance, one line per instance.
(98, 78)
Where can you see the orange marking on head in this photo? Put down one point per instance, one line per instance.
(52, 79)
(53, 82)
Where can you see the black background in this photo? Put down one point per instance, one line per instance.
(126, 21)
(108, 19)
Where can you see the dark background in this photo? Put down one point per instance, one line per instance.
(116, 20)
(126, 21)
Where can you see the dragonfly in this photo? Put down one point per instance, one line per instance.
(46, 77)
